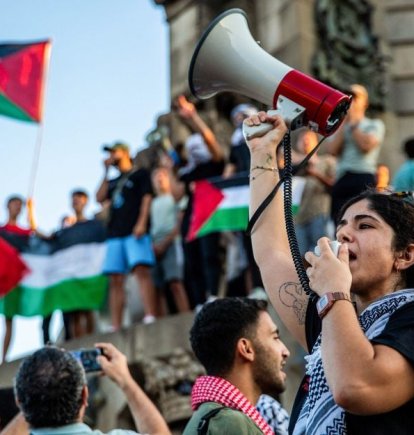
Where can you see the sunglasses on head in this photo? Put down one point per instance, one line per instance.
(407, 196)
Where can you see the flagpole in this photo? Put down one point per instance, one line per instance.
(33, 176)
(35, 161)
(39, 139)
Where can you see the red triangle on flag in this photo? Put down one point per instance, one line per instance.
(12, 268)
(206, 199)
(22, 75)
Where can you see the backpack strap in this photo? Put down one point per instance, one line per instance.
(202, 427)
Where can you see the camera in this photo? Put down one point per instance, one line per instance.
(88, 358)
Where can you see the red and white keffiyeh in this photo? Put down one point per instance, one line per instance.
(215, 389)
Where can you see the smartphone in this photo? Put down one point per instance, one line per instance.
(88, 359)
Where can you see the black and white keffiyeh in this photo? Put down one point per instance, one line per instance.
(274, 414)
(320, 415)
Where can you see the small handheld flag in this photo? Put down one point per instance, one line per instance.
(222, 204)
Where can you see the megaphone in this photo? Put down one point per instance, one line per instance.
(227, 58)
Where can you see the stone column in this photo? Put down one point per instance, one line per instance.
(398, 32)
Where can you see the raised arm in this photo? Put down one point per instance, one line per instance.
(102, 192)
(147, 418)
(189, 112)
(366, 142)
(269, 238)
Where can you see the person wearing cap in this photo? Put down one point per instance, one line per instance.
(357, 144)
(129, 246)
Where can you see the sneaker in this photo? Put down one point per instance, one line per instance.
(148, 318)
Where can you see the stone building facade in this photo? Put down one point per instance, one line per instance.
(288, 29)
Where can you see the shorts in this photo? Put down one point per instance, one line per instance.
(170, 266)
(124, 253)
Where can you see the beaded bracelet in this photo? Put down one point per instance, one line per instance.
(264, 168)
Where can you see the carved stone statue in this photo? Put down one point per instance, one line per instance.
(348, 51)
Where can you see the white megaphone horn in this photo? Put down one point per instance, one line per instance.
(227, 58)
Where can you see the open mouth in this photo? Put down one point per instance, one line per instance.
(352, 256)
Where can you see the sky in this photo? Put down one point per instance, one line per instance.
(108, 80)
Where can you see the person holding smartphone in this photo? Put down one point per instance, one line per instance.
(52, 394)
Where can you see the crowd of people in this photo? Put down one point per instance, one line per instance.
(357, 331)
(149, 232)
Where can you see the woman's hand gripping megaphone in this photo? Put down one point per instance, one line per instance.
(260, 125)
(291, 112)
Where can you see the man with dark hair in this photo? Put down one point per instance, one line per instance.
(52, 393)
(14, 204)
(79, 202)
(82, 322)
(237, 342)
(79, 322)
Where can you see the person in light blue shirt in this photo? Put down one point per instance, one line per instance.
(403, 180)
(356, 144)
(52, 394)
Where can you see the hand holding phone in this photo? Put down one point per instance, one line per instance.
(114, 364)
(88, 359)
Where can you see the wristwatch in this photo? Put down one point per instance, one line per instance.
(326, 302)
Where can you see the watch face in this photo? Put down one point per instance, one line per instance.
(322, 303)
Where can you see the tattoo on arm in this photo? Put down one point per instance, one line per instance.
(292, 295)
(269, 159)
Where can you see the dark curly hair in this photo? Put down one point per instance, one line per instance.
(398, 213)
(409, 147)
(48, 386)
(218, 327)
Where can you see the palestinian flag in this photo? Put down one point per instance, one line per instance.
(22, 77)
(65, 272)
(12, 268)
(221, 204)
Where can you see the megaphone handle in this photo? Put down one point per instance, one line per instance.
(256, 130)
(250, 132)
(292, 113)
